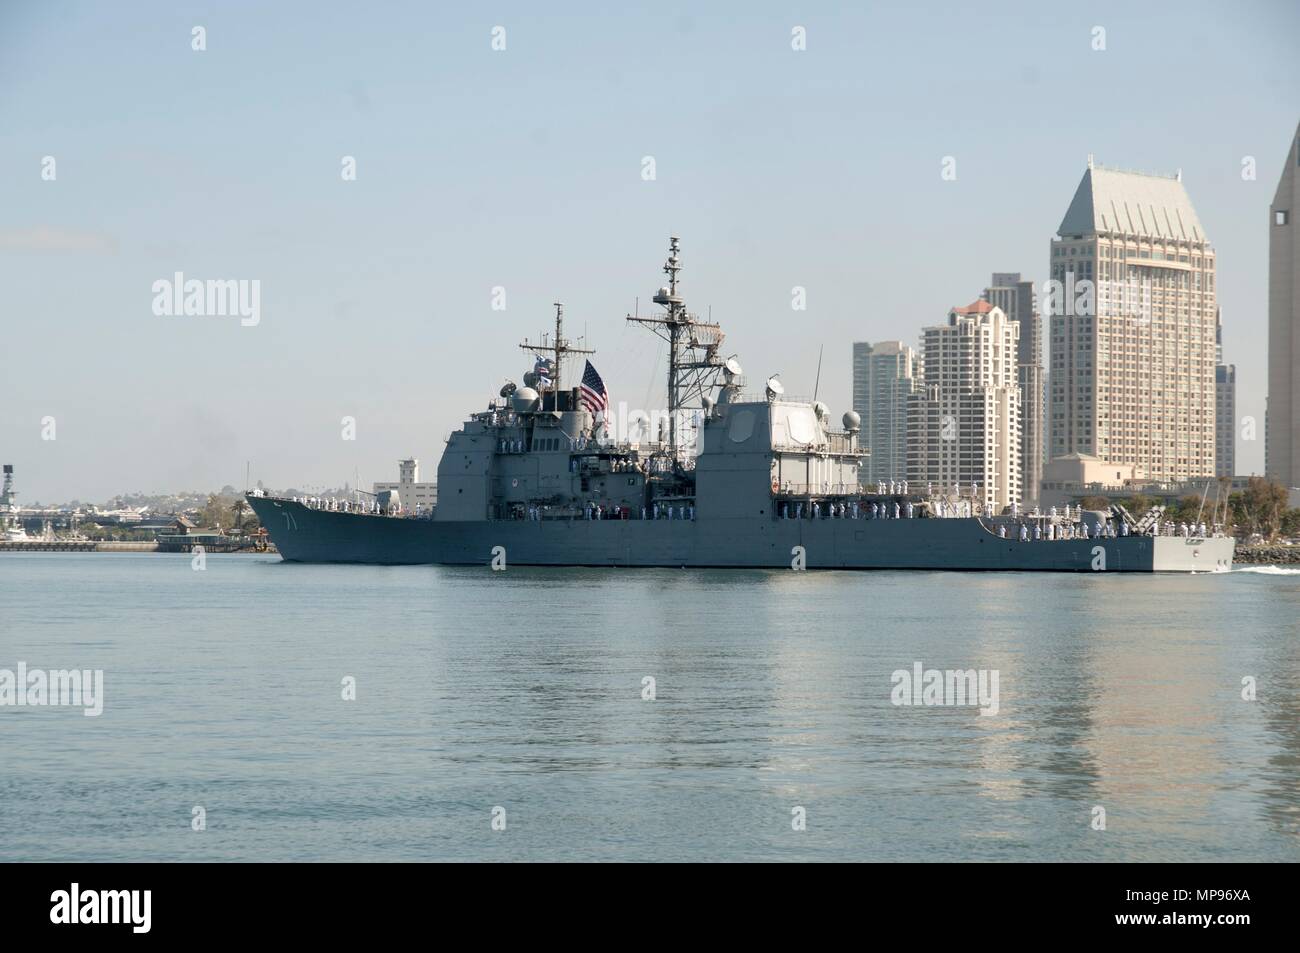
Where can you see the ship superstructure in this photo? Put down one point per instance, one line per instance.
(11, 528)
(722, 479)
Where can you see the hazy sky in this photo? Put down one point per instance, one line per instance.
(522, 169)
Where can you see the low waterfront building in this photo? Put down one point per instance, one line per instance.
(415, 497)
(1070, 478)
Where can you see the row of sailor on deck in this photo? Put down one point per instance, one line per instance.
(900, 487)
(605, 511)
(331, 505)
(848, 511)
(1054, 531)
(1171, 528)
(562, 442)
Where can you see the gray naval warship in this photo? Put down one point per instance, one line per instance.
(728, 480)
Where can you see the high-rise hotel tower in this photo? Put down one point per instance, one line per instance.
(1132, 365)
(1282, 426)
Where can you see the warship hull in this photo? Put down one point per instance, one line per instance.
(308, 535)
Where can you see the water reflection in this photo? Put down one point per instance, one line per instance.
(772, 691)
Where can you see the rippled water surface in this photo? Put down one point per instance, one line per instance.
(523, 690)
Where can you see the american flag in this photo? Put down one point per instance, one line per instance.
(592, 391)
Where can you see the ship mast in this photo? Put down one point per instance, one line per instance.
(559, 346)
(693, 362)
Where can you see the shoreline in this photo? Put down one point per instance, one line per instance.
(118, 546)
(1269, 554)
(1265, 555)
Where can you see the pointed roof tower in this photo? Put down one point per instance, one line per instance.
(1135, 203)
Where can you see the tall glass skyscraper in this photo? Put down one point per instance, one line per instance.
(884, 377)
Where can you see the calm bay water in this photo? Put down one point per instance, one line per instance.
(523, 690)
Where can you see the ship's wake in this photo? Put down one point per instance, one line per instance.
(1268, 570)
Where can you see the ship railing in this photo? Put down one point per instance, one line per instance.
(817, 489)
(842, 442)
(678, 509)
(760, 397)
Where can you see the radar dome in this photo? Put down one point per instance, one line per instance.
(852, 421)
(524, 400)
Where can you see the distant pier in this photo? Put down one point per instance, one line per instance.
(112, 546)
(75, 546)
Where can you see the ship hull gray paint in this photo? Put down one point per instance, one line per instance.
(303, 534)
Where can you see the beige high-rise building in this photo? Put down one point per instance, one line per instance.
(964, 419)
(884, 377)
(1132, 364)
(1282, 424)
(1016, 297)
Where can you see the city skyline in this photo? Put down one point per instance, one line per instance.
(376, 293)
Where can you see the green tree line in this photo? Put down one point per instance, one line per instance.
(231, 514)
(1259, 508)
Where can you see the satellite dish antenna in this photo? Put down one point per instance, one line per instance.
(774, 388)
(732, 368)
(507, 388)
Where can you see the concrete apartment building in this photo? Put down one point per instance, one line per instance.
(1016, 298)
(1132, 369)
(884, 378)
(1282, 423)
(964, 419)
